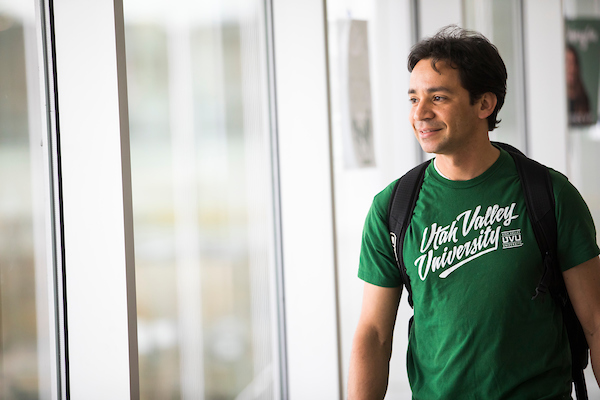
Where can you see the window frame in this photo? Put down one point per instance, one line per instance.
(95, 197)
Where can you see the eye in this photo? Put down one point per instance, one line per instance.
(438, 98)
(413, 100)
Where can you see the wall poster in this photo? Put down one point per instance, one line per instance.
(583, 70)
(356, 110)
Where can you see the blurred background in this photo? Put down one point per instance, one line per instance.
(254, 137)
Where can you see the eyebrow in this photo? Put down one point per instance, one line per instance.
(432, 90)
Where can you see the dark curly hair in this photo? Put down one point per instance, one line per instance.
(479, 64)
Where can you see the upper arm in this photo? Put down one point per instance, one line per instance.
(379, 309)
(583, 286)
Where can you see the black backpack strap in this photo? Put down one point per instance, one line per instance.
(401, 207)
(539, 198)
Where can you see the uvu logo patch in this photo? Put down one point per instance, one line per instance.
(512, 239)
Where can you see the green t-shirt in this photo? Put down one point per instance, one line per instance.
(474, 264)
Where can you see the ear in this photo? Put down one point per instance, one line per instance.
(486, 103)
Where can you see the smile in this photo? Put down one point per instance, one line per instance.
(428, 130)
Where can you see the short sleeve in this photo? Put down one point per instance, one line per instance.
(377, 262)
(575, 226)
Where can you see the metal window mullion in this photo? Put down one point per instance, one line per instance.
(278, 302)
(56, 251)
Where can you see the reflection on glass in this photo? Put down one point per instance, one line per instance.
(202, 198)
(25, 330)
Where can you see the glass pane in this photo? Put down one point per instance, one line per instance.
(202, 199)
(26, 308)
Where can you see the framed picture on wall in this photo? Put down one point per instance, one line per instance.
(582, 70)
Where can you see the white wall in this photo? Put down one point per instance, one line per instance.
(434, 14)
(545, 83)
(306, 200)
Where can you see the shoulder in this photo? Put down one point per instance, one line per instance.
(377, 263)
(408, 182)
(564, 191)
(559, 180)
(575, 225)
(381, 200)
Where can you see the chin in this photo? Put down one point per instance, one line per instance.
(428, 148)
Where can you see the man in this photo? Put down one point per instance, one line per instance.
(477, 333)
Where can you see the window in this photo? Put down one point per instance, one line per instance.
(203, 203)
(27, 333)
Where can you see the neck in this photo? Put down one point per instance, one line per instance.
(468, 163)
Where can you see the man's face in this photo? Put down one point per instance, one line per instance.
(441, 112)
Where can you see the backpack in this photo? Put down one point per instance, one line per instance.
(539, 199)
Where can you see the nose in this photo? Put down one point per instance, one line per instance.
(422, 111)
